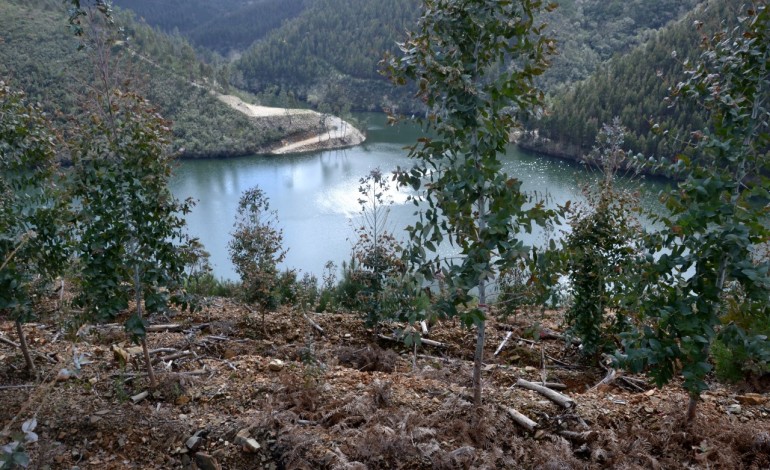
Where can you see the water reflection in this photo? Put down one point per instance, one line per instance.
(316, 194)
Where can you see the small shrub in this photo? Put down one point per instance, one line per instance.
(13, 454)
(256, 249)
(328, 286)
(600, 251)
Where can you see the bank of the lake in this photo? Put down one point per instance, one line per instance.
(315, 194)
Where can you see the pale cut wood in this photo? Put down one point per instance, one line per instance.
(608, 379)
(139, 397)
(505, 340)
(427, 341)
(162, 351)
(552, 385)
(556, 397)
(178, 355)
(315, 325)
(520, 419)
(14, 387)
(424, 327)
(430, 342)
(164, 327)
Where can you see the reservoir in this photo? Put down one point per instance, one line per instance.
(316, 194)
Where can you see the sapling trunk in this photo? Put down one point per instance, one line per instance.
(147, 361)
(691, 406)
(24, 348)
(478, 357)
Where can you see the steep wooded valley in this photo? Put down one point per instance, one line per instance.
(474, 319)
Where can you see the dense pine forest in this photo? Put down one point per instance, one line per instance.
(328, 51)
(634, 87)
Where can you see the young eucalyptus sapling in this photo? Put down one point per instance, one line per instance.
(131, 237)
(458, 57)
(600, 252)
(718, 213)
(33, 239)
(256, 249)
(377, 251)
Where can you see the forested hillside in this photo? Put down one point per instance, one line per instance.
(590, 32)
(224, 26)
(39, 55)
(327, 51)
(634, 88)
(332, 49)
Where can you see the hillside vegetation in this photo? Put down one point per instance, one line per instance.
(633, 87)
(224, 26)
(39, 55)
(327, 52)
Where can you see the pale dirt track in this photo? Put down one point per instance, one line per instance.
(334, 133)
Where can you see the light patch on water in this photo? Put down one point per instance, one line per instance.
(343, 199)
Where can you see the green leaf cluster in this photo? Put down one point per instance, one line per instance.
(129, 226)
(256, 249)
(32, 205)
(707, 250)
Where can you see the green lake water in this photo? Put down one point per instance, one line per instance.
(316, 194)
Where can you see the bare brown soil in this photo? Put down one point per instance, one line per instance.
(280, 395)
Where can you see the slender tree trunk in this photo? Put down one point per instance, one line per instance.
(24, 348)
(691, 408)
(478, 357)
(147, 361)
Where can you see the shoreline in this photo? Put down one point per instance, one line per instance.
(306, 130)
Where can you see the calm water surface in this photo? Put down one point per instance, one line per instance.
(316, 194)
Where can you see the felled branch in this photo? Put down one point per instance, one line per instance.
(315, 325)
(427, 341)
(505, 340)
(579, 437)
(7, 341)
(520, 419)
(556, 397)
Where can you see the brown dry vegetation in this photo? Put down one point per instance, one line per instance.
(348, 400)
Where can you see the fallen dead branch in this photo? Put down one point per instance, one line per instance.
(15, 387)
(584, 437)
(561, 363)
(315, 325)
(7, 341)
(502, 345)
(552, 385)
(608, 379)
(178, 355)
(427, 341)
(556, 397)
(139, 397)
(637, 385)
(164, 327)
(520, 419)
(162, 351)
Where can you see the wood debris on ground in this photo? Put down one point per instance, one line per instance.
(318, 391)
